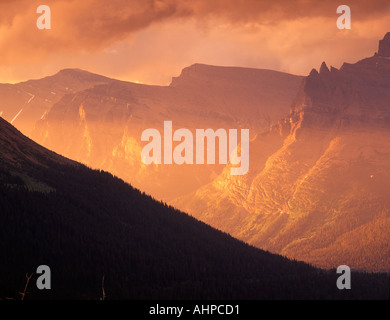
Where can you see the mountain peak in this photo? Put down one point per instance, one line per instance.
(80, 74)
(72, 70)
(335, 92)
(384, 46)
(313, 72)
(204, 75)
(324, 68)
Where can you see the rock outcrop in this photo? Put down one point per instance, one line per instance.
(384, 46)
(318, 188)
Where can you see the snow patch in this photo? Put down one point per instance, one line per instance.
(32, 97)
(43, 115)
(16, 116)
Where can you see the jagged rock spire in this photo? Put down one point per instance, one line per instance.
(384, 46)
(324, 68)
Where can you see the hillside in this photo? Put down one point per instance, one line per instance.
(25, 103)
(87, 224)
(318, 186)
(102, 126)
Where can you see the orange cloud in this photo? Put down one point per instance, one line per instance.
(148, 40)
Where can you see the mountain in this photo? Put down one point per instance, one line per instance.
(25, 103)
(318, 189)
(86, 224)
(254, 98)
(102, 126)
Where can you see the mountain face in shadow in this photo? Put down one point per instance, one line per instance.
(102, 126)
(23, 104)
(87, 224)
(318, 189)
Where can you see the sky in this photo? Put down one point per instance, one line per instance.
(150, 41)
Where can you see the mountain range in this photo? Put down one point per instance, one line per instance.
(86, 224)
(317, 188)
(102, 126)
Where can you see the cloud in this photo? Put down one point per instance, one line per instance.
(287, 35)
(77, 25)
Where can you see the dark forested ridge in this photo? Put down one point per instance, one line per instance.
(86, 224)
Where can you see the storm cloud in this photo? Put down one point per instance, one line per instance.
(162, 35)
